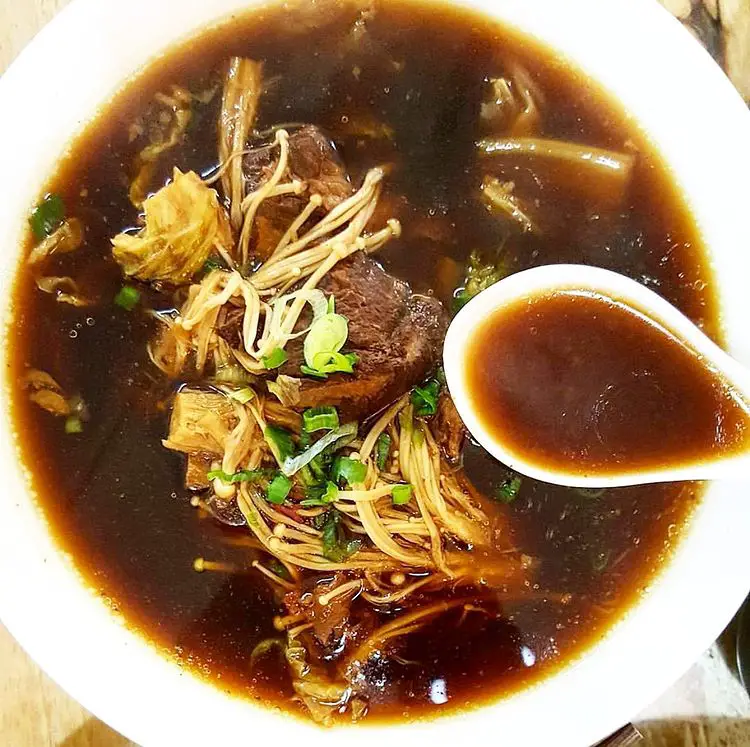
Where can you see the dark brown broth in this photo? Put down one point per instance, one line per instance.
(114, 497)
(580, 383)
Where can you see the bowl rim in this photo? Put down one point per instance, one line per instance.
(149, 699)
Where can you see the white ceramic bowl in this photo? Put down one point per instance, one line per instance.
(687, 107)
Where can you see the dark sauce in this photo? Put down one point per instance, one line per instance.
(583, 384)
(114, 497)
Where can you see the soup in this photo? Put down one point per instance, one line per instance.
(577, 378)
(226, 356)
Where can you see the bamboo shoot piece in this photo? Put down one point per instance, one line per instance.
(239, 107)
(597, 175)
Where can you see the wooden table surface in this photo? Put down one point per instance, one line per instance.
(707, 707)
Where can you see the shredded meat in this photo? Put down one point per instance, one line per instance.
(396, 334)
(328, 618)
(225, 511)
(335, 627)
(196, 470)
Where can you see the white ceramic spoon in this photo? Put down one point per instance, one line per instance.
(549, 279)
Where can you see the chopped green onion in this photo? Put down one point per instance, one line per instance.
(315, 297)
(328, 363)
(333, 440)
(280, 441)
(337, 546)
(425, 398)
(315, 472)
(481, 273)
(321, 495)
(508, 491)
(278, 489)
(327, 335)
(320, 419)
(312, 372)
(351, 470)
(323, 344)
(335, 362)
(460, 299)
(317, 300)
(277, 567)
(275, 359)
(311, 502)
(244, 475)
(128, 297)
(213, 263)
(243, 396)
(401, 494)
(73, 425)
(382, 450)
(47, 216)
(331, 493)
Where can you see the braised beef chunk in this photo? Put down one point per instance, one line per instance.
(396, 334)
(448, 428)
(313, 159)
(229, 325)
(225, 511)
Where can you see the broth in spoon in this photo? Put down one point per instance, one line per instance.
(576, 378)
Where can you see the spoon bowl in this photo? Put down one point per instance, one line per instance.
(654, 311)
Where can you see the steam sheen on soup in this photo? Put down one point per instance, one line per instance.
(227, 348)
